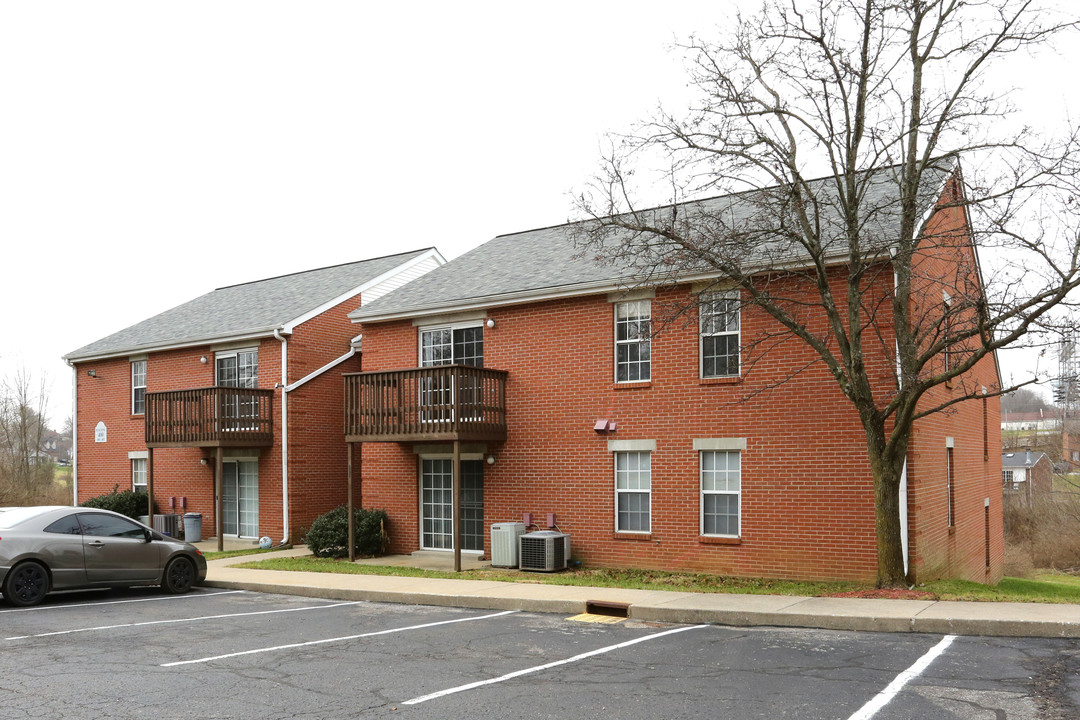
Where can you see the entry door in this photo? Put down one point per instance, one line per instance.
(240, 496)
(437, 500)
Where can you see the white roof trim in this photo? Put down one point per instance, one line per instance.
(316, 373)
(195, 342)
(429, 254)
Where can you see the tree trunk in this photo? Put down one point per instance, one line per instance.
(887, 466)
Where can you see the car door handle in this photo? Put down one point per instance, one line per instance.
(96, 544)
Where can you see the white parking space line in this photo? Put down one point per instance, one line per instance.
(180, 620)
(882, 699)
(547, 666)
(189, 596)
(336, 639)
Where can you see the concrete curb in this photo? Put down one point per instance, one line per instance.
(868, 615)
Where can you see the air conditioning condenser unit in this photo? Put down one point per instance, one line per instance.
(504, 543)
(544, 551)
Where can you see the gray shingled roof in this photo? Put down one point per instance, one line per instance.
(546, 262)
(1019, 459)
(243, 310)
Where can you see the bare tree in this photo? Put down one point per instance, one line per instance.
(25, 473)
(878, 100)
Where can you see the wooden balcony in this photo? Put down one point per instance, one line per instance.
(447, 402)
(210, 417)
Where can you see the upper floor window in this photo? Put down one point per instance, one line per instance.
(138, 387)
(452, 346)
(633, 341)
(239, 368)
(720, 334)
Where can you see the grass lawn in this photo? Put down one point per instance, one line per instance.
(1048, 587)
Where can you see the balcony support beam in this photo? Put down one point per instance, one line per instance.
(219, 499)
(456, 511)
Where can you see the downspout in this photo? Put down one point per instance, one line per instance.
(903, 473)
(284, 436)
(74, 433)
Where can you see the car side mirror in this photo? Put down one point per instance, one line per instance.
(148, 535)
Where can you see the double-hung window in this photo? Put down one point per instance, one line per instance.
(138, 387)
(633, 492)
(719, 312)
(721, 484)
(633, 341)
(138, 474)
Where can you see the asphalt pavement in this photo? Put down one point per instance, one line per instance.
(875, 615)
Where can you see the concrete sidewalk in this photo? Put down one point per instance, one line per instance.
(925, 616)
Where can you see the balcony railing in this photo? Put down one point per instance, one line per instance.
(210, 417)
(447, 402)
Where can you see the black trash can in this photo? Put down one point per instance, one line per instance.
(193, 527)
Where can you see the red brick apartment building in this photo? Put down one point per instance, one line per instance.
(242, 384)
(527, 363)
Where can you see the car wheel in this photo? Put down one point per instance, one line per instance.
(26, 584)
(179, 575)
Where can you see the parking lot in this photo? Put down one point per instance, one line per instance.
(234, 654)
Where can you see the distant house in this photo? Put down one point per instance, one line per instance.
(1038, 421)
(236, 394)
(1027, 476)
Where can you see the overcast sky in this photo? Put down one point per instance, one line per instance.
(151, 152)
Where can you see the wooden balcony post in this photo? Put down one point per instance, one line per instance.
(456, 510)
(349, 507)
(150, 486)
(219, 499)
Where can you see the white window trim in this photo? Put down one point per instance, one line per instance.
(134, 485)
(421, 329)
(134, 387)
(704, 298)
(421, 457)
(702, 492)
(615, 484)
(616, 342)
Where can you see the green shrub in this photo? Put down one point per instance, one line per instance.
(126, 502)
(329, 533)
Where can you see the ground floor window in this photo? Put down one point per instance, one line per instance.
(721, 480)
(633, 491)
(138, 474)
(437, 504)
(240, 498)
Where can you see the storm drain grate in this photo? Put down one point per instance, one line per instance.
(610, 609)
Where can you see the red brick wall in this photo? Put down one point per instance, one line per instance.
(807, 492)
(317, 450)
(937, 550)
(177, 471)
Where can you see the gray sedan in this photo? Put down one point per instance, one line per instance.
(65, 548)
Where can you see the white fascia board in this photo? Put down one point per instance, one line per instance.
(432, 253)
(178, 345)
(316, 373)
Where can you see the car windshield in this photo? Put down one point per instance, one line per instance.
(11, 517)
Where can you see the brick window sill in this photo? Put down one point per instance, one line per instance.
(639, 537)
(733, 380)
(639, 385)
(711, 540)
